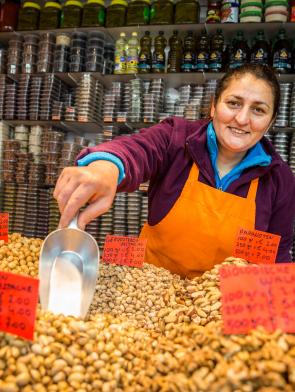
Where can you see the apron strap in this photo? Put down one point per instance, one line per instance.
(253, 189)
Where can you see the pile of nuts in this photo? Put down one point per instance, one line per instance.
(148, 330)
(20, 255)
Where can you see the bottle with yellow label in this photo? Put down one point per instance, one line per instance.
(71, 15)
(28, 17)
(50, 15)
(93, 13)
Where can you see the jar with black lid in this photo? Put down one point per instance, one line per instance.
(28, 16)
(93, 13)
(138, 12)
(187, 11)
(71, 15)
(50, 15)
(116, 13)
(162, 12)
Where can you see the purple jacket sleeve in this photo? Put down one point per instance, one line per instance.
(283, 214)
(144, 155)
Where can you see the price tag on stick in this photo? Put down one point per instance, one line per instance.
(123, 250)
(4, 224)
(18, 303)
(256, 246)
(256, 295)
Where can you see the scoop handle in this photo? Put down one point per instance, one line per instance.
(74, 222)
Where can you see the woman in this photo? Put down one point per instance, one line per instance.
(207, 178)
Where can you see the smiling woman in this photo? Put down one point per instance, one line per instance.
(242, 114)
(207, 178)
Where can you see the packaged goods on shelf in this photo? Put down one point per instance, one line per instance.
(116, 13)
(28, 15)
(50, 15)
(71, 15)
(93, 13)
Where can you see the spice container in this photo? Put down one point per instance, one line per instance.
(71, 14)
(28, 16)
(251, 17)
(62, 53)
(138, 12)
(14, 55)
(77, 52)
(93, 13)
(46, 53)
(162, 12)
(276, 11)
(213, 11)
(50, 15)
(9, 15)
(292, 11)
(187, 11)
(3, 59)
(229, 12)
(116, 13)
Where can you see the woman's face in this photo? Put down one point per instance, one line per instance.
(243, 113)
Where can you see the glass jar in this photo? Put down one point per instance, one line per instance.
(28, 16)
(93, 13)
(50, 15)
(213, 12)
(9, 14)
(116, 13)
(71, 15)
(138, 12)
(187, 11)
(162, 12)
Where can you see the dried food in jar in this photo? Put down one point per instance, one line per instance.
(93, 13)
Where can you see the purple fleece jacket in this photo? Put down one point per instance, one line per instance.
(164, 154)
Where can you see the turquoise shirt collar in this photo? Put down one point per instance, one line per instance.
(256, 156)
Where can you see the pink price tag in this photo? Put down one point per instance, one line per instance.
(18, 303)
(123, 250)
(256, 295)
(4, 225)
(258, 247)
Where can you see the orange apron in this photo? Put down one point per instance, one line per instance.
(200, 229)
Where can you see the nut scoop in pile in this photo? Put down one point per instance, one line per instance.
(148, 330)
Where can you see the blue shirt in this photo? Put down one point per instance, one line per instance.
(256, 156)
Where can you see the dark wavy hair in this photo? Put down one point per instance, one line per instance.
(263, 72)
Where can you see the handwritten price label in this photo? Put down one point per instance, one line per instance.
(18, 302)
(258, 295)
(4, 223)
(256, 246)
(123, 250)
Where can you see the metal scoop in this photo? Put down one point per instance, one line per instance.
(68, 269)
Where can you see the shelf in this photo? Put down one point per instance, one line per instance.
(154, 29)
(170, 79)
(250, 29)
(229, 29)
(68, 126)
(282, 129)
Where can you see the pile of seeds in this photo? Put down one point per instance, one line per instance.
(148, 330)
